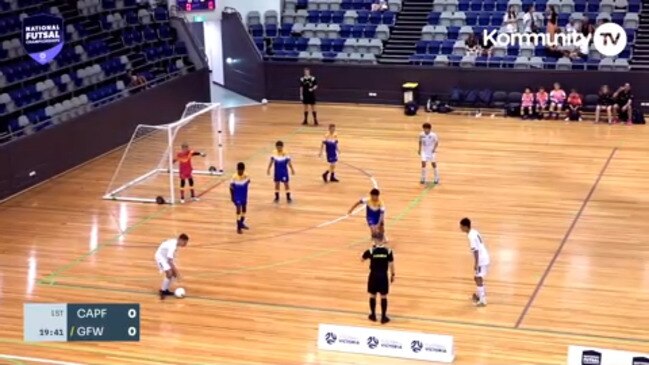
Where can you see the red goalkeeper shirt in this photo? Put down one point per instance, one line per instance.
(185, 167)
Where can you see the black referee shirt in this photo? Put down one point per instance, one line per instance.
(380, 258)
(307, 83)
(605, 99)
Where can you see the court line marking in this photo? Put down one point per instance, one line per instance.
(36, 359)
(304, 308)
(50, 278)
(539, 285)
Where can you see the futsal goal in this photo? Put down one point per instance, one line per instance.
(147, 173)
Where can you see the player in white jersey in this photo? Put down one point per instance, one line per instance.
(480, 263)
(428, 143)
(164, 257)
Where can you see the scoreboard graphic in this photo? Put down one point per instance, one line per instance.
(81, 322)
(196, 5)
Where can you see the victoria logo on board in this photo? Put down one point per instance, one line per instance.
(640, 360)
(590, 357)
(372, 342)
(42, 37)
(416, 346)
(330, 338)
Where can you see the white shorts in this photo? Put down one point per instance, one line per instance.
(482, 271)
(163, 264)
(428, 157)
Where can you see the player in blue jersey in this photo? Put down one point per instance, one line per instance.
(281, 162)
(374, 213)
(330, 144)
(239, 195)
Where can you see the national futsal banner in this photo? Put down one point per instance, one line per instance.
(390, 343)
(581, 355)
(42, 37)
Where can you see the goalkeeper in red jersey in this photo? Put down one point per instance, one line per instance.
(184, 159)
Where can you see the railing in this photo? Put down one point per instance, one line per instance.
(13, 135)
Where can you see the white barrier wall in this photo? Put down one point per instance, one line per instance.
(580, 355)
(371, 341)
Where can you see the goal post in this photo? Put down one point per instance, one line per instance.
(146, 171)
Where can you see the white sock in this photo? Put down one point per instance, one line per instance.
(423, 173)
(166, 283)
(436, 171)
(481, 292)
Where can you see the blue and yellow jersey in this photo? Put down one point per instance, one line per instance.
(239, 187)
(373, 209)
(280, 163)
(331, 144)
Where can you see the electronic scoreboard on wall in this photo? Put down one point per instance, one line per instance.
(196, 5)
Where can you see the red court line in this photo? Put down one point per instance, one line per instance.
(563, 241)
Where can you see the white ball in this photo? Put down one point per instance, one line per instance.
(264, 101)
(179, 293)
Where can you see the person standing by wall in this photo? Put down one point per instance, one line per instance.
(308, 86)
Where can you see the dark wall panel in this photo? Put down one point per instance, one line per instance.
(353, 83)
(245, 75)
(52, 151)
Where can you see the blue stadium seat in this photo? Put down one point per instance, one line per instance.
(464, 5)
(634, 6)
(388, 18)
(285, 30)
(578, 64)
(256, 30)
(278, 44)
(421, 47)
(329, 56)
(167, 51)
(325, 16)
(497, 18)
(151, 35)
(345, 31)
(495, 62)
(563, 19)
(501, 5)
(434, 47)
(433, 18)
(375, 18)
(549, 63)
(370, 31)
(508, 61)
(481, 61)
(453, 32)
(471, 18)
(347, 5)
(630, 35)
(271, 30)
(592, 65)
(131, 18)
(338, 17)
(363, 17)
(313, 16)
(326, 45)
(301, 44)
(593, 7)
(489, 5)
(290, 44)
(476, 5)
(160, 14)
(484, 19)
(513, 50)
(580, 6)
(618, 18)
(165, 32)
(180, 48)
(357, 31)
(447, 47)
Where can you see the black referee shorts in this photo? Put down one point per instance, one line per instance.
(308, 99)
(378, 283)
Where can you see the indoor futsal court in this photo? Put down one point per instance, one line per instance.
(562, 208)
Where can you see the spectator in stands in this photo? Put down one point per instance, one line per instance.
(587, 27)
(486, 47)
(574, 26)
(510, 21)
(553, 18)
(471, 46)
(555, 49)
(541, 104)
(574, 107)
(527, 103)
(135, 81)
(604, 102)
(557, 98)
(623, 100)
(532, 20)
(268, 42)
(380, 5)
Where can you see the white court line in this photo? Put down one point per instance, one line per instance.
(339, 218)
(38, 359)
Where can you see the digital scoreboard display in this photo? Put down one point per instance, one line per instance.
(58, 322)
(196, 5)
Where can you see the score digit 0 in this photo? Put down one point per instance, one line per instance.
(132, 331)
(132, 313)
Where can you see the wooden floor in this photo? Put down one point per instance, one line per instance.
(562, 207)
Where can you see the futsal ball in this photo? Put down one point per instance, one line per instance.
(179, 293)
(264, 101)
(159, 199)
(212, 170)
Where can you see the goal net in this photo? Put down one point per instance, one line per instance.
(147, 172)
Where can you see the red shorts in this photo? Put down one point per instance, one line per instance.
(187, 174)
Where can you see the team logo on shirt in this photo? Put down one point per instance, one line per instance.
(590, 357)
(416, 346)
(42, 37)
(372, 342)
(330, 338)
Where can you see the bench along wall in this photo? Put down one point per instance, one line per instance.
(52, 151)
(354, 83)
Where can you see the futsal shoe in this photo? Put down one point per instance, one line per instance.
(385, 320)
(239, 231)
(195, 199)
(422, 182)
(475, 298)
(482, 302)
(325, 175)
(164, 293)
(243, 226)
(372, 317)
(305, 122)
(436, 181)
(182, 201)
(289, 200)
(333, 179)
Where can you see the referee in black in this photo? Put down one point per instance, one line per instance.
(308, 86)
(381, 259)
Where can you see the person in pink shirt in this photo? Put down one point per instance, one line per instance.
(527, 103)
(541, 105)
(557, 99)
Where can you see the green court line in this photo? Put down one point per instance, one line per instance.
(304, 308)
(51, 278)
(15, 362)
